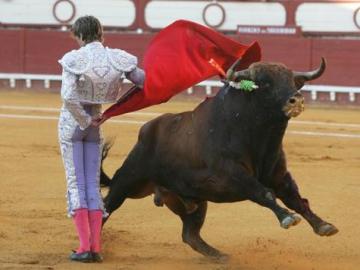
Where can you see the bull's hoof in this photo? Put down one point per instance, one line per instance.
(289, 221)
(326, 229)
(199, 245)
(220, 258)
(215, 254)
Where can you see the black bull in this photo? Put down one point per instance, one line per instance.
(227, 149)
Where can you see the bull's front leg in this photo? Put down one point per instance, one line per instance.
(288, 192)
(230, 185)
(253, 190)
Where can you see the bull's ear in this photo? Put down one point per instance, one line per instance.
(301, 77)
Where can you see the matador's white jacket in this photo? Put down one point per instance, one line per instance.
(93, 75)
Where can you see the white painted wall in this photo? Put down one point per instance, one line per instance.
(159, 14)
(312, 17)
(119, 13)
(327, 17)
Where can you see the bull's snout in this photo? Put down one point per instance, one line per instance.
(294, 106)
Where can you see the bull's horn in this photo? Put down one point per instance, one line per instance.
(230, 72)
(242, 75)
(232, 75)
(301, 77)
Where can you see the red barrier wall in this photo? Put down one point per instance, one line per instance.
(302, 54)
(292, 51)
(343, 61)
(11, 51)
(43, 49)
(37, 51)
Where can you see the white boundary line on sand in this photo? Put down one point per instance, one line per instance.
(208, 85)
(40, 117)
(154, 114)
(319, 123)
(47, 109)
(294, 132)
(325, 134)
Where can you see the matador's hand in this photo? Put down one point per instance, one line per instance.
(98, 120)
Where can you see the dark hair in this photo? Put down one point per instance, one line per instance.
(87, 28)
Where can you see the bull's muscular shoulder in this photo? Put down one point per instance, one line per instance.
(165, 126)
(150, 129)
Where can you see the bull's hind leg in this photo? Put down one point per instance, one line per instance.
(129, 181)
(126, 186)
(192, 224)
(288, 192)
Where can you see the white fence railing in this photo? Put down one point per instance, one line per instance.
(208, 85)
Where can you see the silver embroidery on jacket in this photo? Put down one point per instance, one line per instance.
(99, 72)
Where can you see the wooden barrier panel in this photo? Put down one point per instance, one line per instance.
(343, 57)
(11, 51)
(292, 51)
(43, 50)
(37, 52)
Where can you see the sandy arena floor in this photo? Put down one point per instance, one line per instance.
(323, 148)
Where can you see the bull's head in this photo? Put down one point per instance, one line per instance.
(276, 83)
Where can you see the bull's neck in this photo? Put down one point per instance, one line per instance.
(255, 121)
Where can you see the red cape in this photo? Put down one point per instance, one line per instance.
(178, 58)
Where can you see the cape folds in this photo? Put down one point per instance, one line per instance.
(179, 57)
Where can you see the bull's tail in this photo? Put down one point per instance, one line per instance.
(105, 180)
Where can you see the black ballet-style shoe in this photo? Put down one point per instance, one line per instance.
(97, 257)
(84, 257)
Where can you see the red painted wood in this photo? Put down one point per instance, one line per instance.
(11, 55)
(37, 51)
(323, 97)
(292, 51)
(133, 43)
(43, 50)
(140, 13)
(357, 99)
(342, 98)
(343, 57)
